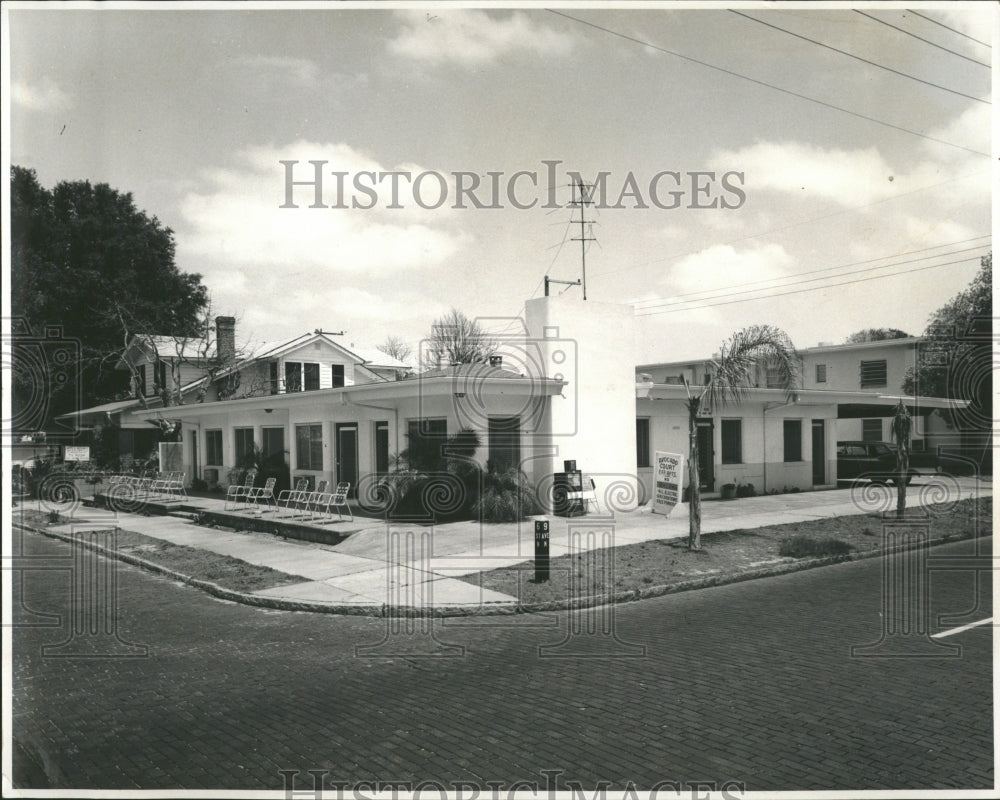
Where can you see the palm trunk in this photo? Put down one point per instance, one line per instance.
(694, 488)
(903, 460)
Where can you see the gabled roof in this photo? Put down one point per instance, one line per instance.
(166, 347)
(369, 357)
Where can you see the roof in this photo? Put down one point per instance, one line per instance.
(371, 357)
(468, 370)
(105, 408)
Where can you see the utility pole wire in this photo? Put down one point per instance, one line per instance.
(947, 28)
(858, 58)
(740, 75)
(921, 38)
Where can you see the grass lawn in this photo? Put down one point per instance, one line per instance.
(665, 562)
(230, 573)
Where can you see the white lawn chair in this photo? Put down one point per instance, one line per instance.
(339, 501)
(238, 492)
(264, 493)
(288, 497)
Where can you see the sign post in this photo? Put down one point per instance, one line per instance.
(541, 550)
(668, 479)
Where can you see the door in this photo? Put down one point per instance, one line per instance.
(195, 471)
(819, 452)
(273, 445)
(706, 454)
(347, 454)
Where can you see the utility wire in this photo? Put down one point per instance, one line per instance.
(948, 28)
(922, 39)
(740, 75)
(828, 269)
(857, 58)
(795, 224)
(810, 289)
(664, 301)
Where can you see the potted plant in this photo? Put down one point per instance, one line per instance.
(728, 491)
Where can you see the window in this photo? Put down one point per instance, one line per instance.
(311, 373)
(505, 443)
(244, 443)
(381, 447)
(821, 373)
(337, 374)
(293, 376)
(793, 440)
(424, 440)
(642, 442)
(775, 379)
(873, 374)
(161, 375)
(309, 447)
(213, 448)
(272, 377)
(871, 430)
(732, 441)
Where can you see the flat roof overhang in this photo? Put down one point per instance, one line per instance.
(387, 392)
(850, 405)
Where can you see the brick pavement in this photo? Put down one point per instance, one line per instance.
(749, 682)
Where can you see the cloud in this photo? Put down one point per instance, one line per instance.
(473, 37)
(45, 96)
(282, 68)
(235, 233)
(848, 177)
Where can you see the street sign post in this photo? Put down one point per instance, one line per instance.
(541, 550)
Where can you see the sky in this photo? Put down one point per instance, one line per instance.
(812, 154)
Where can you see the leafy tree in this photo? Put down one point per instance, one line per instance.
(85, 258)
(731, 377)
(958, 344)
(456, 339)
(875, 335)
(900, 430)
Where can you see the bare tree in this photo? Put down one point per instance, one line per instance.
(396, 347)
(900, 430)
(456, 339)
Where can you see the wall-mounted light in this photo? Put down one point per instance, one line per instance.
(459, 394)
(268, 410)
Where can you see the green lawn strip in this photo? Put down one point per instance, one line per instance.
(724, 555)
(226, 571)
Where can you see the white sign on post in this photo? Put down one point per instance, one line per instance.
(668, 480)
(76, 453)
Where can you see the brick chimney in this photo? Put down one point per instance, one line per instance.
(225, 338)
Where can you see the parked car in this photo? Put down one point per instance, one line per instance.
(875, 461)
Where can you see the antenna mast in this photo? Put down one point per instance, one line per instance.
(583, 202)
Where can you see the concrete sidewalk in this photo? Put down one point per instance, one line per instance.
(413, 565)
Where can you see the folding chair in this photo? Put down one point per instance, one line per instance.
(265, 493)
(239, 490)
(289, 496)
(339, 500)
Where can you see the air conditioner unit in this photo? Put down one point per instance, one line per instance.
(211, 476)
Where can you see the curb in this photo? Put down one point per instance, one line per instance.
(386, 610)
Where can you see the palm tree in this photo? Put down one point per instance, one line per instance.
(732, 374)
(900, 431)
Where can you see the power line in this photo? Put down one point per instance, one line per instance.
(796, 224)
(946, 27)
(922, 39)
(858, 58)
(823, 103)
(810, 289)
(664, 301)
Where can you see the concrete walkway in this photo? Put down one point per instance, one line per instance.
(413, 565)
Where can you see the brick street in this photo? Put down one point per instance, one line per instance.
(751, 682)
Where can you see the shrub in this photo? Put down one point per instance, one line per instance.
(805, 547)
(199, 485)
(507, 497)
